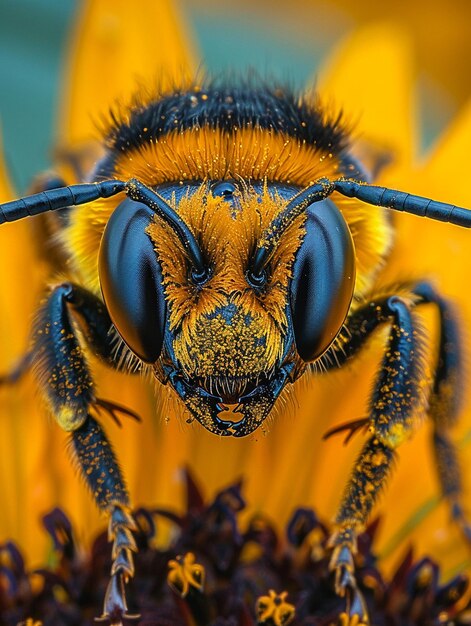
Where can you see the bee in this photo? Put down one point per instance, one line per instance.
(227, 241)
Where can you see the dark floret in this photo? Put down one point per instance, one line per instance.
(214, 573)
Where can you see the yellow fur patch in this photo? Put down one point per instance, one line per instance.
(83, 238)
(210, 153)
(372, 235)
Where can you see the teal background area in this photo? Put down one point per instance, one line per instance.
(33, 36)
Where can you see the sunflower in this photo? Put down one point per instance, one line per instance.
(371, 75)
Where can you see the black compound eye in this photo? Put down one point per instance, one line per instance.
(131, 280)
(224, 189)
(323, 280)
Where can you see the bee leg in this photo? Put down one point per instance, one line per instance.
(68, 387)
(56, 354)
(59, 362)
(445, 403)
(49, 343)
(371, 471)
(102, 474)
(394, 400)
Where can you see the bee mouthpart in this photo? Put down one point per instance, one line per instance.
(235, 406)
(230, 388)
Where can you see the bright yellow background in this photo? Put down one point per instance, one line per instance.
(375, 71)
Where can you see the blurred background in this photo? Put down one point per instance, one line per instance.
(287, 40)
(292, 41)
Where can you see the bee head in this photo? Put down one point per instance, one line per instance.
(229, 338)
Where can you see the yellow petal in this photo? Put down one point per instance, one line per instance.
(446, 171)
(23, 427)
(370, 77)
(118, 45)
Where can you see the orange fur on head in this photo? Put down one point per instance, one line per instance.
(228, 237)
(251, 153)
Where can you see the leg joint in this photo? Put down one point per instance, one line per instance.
(64, 291)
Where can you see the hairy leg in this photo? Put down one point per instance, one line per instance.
(393, 404)
(66, 382)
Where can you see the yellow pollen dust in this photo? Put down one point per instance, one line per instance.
(251, 340)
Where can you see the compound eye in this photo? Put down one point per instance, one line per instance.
(131, 280)
(323, 280)
(224, 189)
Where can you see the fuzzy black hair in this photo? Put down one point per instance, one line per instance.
(228, 107)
